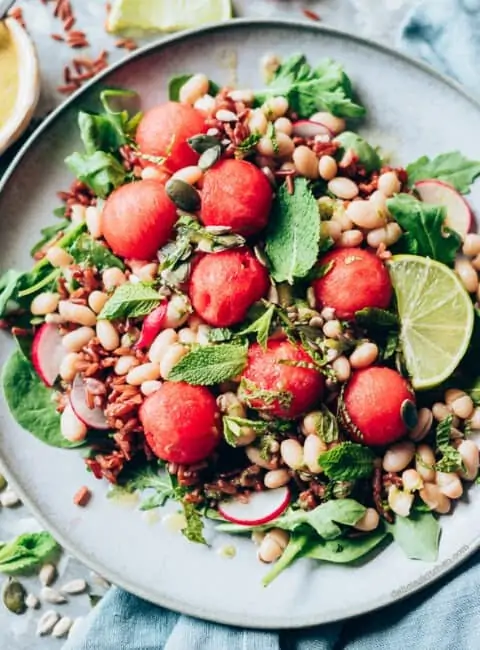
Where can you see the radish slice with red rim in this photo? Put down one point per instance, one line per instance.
(459, 214)
(309, 129)
(93, 418)
(261, 507)
(47, 353)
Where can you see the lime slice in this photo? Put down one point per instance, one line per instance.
(166, 15)
(436, 315)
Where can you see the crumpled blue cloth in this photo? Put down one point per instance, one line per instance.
(445, 34)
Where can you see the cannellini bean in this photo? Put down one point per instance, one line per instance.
(398, 456)
(327, 167)
(332, 329)
(379, 200)
(332, 122)
(469, 452)
(269, 64)
(425, 462)
(389, 184)
(112, 278)
(162, 342)
(412, 480)
(107, 335)
(76, 313)
(44, 303)
(284, 125)
(190, 175)
(68, 366)
(331, 229)
(125, 364)
(342, 369)
(275, 107)
(312, 448)
(193, 89)
(77, 339)
(148, 272)
(78, 213)
(462, 407)
(230, 404)
(306, 162)
(255, 457)
(475, 419)
(440, 411)
(364, 214)
(171, 357)
(369, 521)
(97, 300)
(273, 545)
(432, 496)
(194, 322)
(350, 238)
(58, 257)
(467, 274)
(257, 122)
(423, 426)
(71, 427)
(471, 245)
(93, 219)
(244, 95)
(187, 335)
(150, 386)
(205, 103)
(153, 174)
(399, 501)
(450, 485)
(276, 478)
(452, 394)
(292, 453)
(146, 371)
(179, 309)
(364, 355)
(476, 262)
(224, 115)
(344, 188)
(203, 334)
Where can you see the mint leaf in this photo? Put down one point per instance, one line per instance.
(210, 364)
(344, 550)
(295, 549)
(27, 552)
(367, 156)
(232, 427)
(99, 170)
(326, 425)
(131, 300)
(347, 461)
(90, 252)
(260, 327)
(418, 535)
(452, 167)
(293, 233)
(425, 230)
(175, 83)
(194, 528)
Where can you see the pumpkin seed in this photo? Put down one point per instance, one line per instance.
(183, 195)
(409, 413)
(3, 482)
(210, 157)
(200, 143)
(94, 599)
(14, 596)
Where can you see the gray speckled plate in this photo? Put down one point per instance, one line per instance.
(412, 111)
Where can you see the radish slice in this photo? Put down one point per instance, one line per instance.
(47, 353)
(309, 129)
(92, 418)
(152, 325)
(459, 215)
(261, 508)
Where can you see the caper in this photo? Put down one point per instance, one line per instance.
(183, 195)
(210, 157)
(409, 413)
(14, 596)
(200, 143)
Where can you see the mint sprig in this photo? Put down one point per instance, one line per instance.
(210, 364)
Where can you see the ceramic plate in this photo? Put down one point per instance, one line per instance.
(412, 111)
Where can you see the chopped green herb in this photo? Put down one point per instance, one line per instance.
(90, 252)
(194, 528)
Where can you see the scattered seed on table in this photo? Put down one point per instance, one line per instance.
(74, 587)
(82, 496)
(47, 574)
(47, 622)
(32, 601)
(3, 482)
(8, 499)
(62, 627)
(14, 596)
(53, 596)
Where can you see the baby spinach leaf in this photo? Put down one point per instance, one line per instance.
(295, 549)
(367, 156)
(27, 552)
(98, 133)
(452, 167)
(418, 535)
(344, 550)
(90, 252)
(30, 401)
(347, 461)
(210, 364)
(101, 171)
(8, 287)
(131, 300)
(175, 83)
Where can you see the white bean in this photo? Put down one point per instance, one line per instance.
(230, 404)
(171, 357)
(312, 448)
(476, 262)
(292, 453)
(343, 188)
(255, 457)
(399, 501)
(450, 485)
(269, 64)
(350, 238)
(364, 214)
(332, 329)
(58, 257)
(97, 300)
(369, 521)
(284, 125)
(467, 275)
(398, 456)
(179, 309)
(475, 419)
(203, 334)
(124, 364)
(190, 175)
(76, 313)
(257, 122)
(389, 184)
(78, 213)
(425, 462)
(332, 122)
(107, 335)
(469, 452)
(440, 411)
(327, 167)
(275, 107)
(224, 115)
(471, 245)
(206, 104)
(423, 426)
(93, 219)
(394, 232)
(68, 366)
(340, 216)
(306, 162)
(379, 200)
(77, 339)
(150, 386)
(342, 369)
(462, 407)
(193, 89)
(244, 95)
(273, 545)
(412, 481)
(71, 427)
(148, 272)
(44, 303)
(146, 371)
(435, 499)
(331, 229)
(152, 174)
(187, 335)
(276, 478)
(160, 345)
(113, 277)
(364, 355)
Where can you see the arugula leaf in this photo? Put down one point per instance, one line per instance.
(175, 83)
(194, 528)
(309, 90)
(293, 233)
(101, 171)
(131, 300)
(27, 552)
(425, 230)
(260, 327)
(8, 286)
(30, 401)
(48, 233)
(453, 168)
(367, 156)
(418, 535)
(344, 550)
(347, 461)
(210, 364)
(90, 252)
(294, 550)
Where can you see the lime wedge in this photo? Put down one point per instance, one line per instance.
(166, 15)
(436, 315)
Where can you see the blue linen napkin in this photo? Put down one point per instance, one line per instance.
(446, 34)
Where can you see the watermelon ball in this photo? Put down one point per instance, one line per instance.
(138, 219)
(223, 286)
(181, 422)
(284, 390)
(356, 280)
(238, 195)
(164, 130)
(372, 406)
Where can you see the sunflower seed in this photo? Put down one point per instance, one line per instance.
(8, 499)
(62, 627)
(210, 157)
(183, 195)
(50, 595)
(14, 595)
(32, 601)
(47, 574)
(73, 587)
(47, 622)
(200, 143)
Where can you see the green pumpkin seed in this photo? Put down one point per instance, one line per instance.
(94, 599)
(183, 195)
(409, 414)
(14, 596)
(210, 157)
(3, 482)
(200, 143)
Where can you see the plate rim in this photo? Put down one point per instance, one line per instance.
(425, 579)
